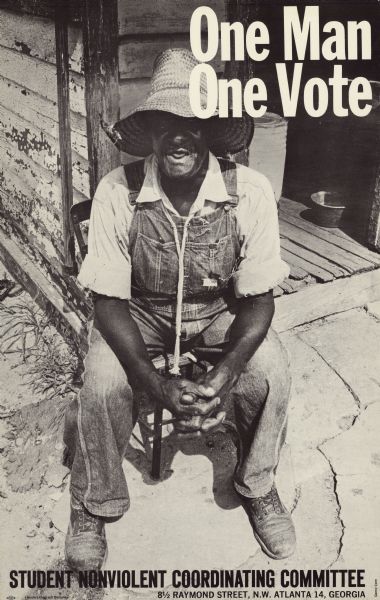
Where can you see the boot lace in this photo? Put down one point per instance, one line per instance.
(270, 503)
(85, 521)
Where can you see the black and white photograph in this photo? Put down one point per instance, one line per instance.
(189, 299)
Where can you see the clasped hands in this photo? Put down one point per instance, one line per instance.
(199, 410)
(196, 405)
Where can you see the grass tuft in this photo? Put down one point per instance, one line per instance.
(50, 362)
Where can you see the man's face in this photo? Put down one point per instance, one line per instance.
(179, 144)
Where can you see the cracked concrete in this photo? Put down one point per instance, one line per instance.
(320, 400)
(328, 474)
(350, 346)
(338, 510)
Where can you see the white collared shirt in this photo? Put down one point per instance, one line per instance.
(107, 266)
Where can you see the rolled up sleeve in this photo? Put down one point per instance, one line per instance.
(107, 267)
(261, 268)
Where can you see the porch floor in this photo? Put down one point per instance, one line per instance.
(319, 254)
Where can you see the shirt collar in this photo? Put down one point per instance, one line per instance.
(213, 188)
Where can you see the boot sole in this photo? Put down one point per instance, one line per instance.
(267, 551)
(75, 570)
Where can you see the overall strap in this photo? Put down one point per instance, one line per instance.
(134, 173)
(228, 170)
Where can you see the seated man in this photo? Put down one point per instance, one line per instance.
(183, 253)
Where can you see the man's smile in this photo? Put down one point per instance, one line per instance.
(179, 156)
(178, 153)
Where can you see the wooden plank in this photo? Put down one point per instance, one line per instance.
(29, 204)
(317, 272)
(36, 108)
(27, 138)
(41, 180)
(323, 299)
(137, 56)
(35, 36)
(334, 235)
(287, 286)
(27, 273)
(322, 239)
(323, 248)
(170, 16)
(51, 266)
(66, 171)
(45, 184)
(36, 233)
(28, 237)
(100, 52)
(15, 101)
(41, 8)
(296, 272)
(40, 77)
(290, 286)
(316, 265)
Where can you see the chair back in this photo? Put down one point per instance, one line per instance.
(80, 213)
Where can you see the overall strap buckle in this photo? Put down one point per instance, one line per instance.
(135, 175)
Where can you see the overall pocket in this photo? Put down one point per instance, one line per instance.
(211, 265)
(155, 266)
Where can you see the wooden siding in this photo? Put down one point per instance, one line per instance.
(35, 37)
(41, 8)
(164, 16)
(30, 185)
(39, 77)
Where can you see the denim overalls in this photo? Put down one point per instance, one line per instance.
(192, 284)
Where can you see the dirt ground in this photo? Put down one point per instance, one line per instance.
(32, 477)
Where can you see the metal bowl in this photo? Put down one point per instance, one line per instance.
(327, 208)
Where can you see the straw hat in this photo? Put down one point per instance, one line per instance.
(170, 93)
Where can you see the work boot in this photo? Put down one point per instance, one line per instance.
(272, 524)
(85, 545)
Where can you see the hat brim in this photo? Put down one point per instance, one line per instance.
(224, 134)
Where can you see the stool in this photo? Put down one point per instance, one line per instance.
(163, 363)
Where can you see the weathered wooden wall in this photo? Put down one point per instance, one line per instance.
(30, 186)
(30, 183)
(29, 133)
(29, 142)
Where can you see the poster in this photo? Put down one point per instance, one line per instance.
(186, 536)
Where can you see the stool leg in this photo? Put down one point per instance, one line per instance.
(157, 437)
